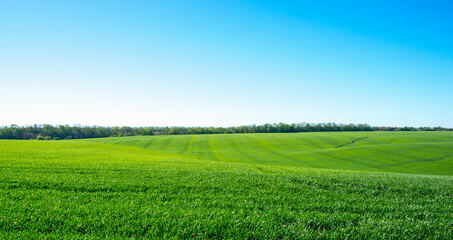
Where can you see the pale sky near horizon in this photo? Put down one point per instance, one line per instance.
(226, 63)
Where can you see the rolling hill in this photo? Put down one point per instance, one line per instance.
(408, 152)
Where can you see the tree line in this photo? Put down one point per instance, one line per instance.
(47, 131)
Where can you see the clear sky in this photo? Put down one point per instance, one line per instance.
(226, 63)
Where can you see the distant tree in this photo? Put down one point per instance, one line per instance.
(47, 131)
(172, 131)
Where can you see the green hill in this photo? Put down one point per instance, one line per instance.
(361, 185)
(408, 152)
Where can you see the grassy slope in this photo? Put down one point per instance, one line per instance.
(204, 186)
(407, 152)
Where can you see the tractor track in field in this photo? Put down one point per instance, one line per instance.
(148, 143)
(200, 147)
(351, 142)
(291, 145)
(239, 150)
(420, 160)
(264, 148)
(186, 145)
(166, 142)
(203, 148)
(211, 153)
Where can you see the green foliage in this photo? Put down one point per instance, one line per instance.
(40, 137)
(56, 138)
(47, 138)
(248, 186)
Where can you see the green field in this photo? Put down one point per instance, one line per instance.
(355, 185)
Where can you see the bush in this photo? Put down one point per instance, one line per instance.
(47, 138)
(40, 137)
(56, 138)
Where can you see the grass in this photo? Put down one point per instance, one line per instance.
(305, 185)
(405, 152)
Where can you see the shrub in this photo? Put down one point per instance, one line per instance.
(47, 138)
(40, 137)
(56, 138)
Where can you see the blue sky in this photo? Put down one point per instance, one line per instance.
(226, 63)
